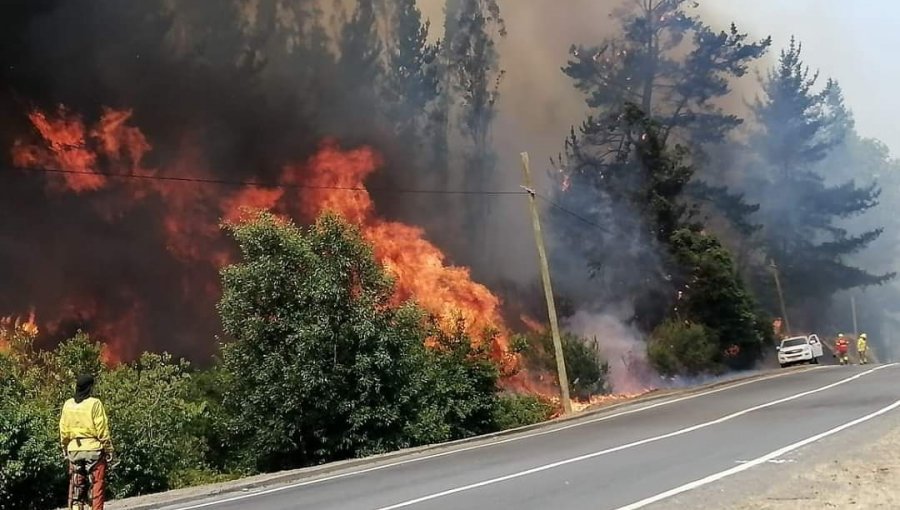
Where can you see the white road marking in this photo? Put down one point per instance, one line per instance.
(553, 430)
(607, 451)
(771, 457)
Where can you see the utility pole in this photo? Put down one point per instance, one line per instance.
(853, 309)
(548, 289)
(787, 323)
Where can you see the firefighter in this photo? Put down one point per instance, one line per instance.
(84, 433)
(841, 346)
(862, 348)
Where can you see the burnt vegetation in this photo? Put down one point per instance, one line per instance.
(669, 207)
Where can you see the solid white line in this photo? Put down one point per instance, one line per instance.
(755, 462)
(581, 458)
(454, 451)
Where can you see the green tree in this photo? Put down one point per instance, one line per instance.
(637, 198)
(151, 416)
(683, 348)
(677, 263)
(361, 49)
(674, 82)
(412, 74)
(802, 212)
(714, 295)
(676, 70)
(32, 475)
(322, 367)
(471, 77)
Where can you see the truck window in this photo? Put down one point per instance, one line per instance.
(794, 342)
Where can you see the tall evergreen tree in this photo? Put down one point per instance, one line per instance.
(413, 78)
(646, 65)
(470, 90)
(660, 257)
(803, 213)
(361, 49)
(673, 67)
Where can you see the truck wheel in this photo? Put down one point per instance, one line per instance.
(783, 365)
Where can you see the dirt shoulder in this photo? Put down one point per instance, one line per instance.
(860, 472)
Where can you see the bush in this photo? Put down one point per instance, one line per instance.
(716, 297)
(459, 395)
(585, 367)
(149, 409)
(322, 367)
(151, 417)
(514, 411)
(683, 348)
(32, 471)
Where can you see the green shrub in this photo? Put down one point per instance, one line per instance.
(514, 411)
(321, 368)
(32, 470)
(585, 367)
(150, 414)
(683, 348)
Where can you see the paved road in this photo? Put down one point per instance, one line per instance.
(631, 458)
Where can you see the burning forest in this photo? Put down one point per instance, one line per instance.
(87, 159)
(172, 170)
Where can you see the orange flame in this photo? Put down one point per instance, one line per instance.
(599, 401)
(335, 180)
(12, 326)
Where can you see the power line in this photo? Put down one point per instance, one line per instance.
(573, 214)
(222, 182)
(251, 184)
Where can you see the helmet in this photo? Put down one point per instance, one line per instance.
(841, 335)
(863, 335)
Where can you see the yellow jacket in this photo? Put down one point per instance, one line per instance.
(861, 344)
(83, 427)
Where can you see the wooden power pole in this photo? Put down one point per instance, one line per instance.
(853, 311)
(784, 317)
(548, 288)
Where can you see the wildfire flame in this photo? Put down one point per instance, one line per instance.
(420, 269)
(598, 401)
(12, 326)
(332, 180)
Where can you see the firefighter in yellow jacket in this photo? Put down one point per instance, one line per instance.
(862, 348)
(84, 433)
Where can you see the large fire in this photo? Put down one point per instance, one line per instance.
(85, 159)
(419, 267)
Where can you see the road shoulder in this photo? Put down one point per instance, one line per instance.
(858, 471)
(259, 482)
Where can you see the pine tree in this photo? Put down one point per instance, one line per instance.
(470, 91)
(361, 49)
(646, 66)
(803, 213)
(672, 67)
(413, 80)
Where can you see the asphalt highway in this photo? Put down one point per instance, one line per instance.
(629, 458)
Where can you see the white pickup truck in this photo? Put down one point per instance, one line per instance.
(799, 349)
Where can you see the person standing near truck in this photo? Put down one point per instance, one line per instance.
(862, 348)
(841, 346)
